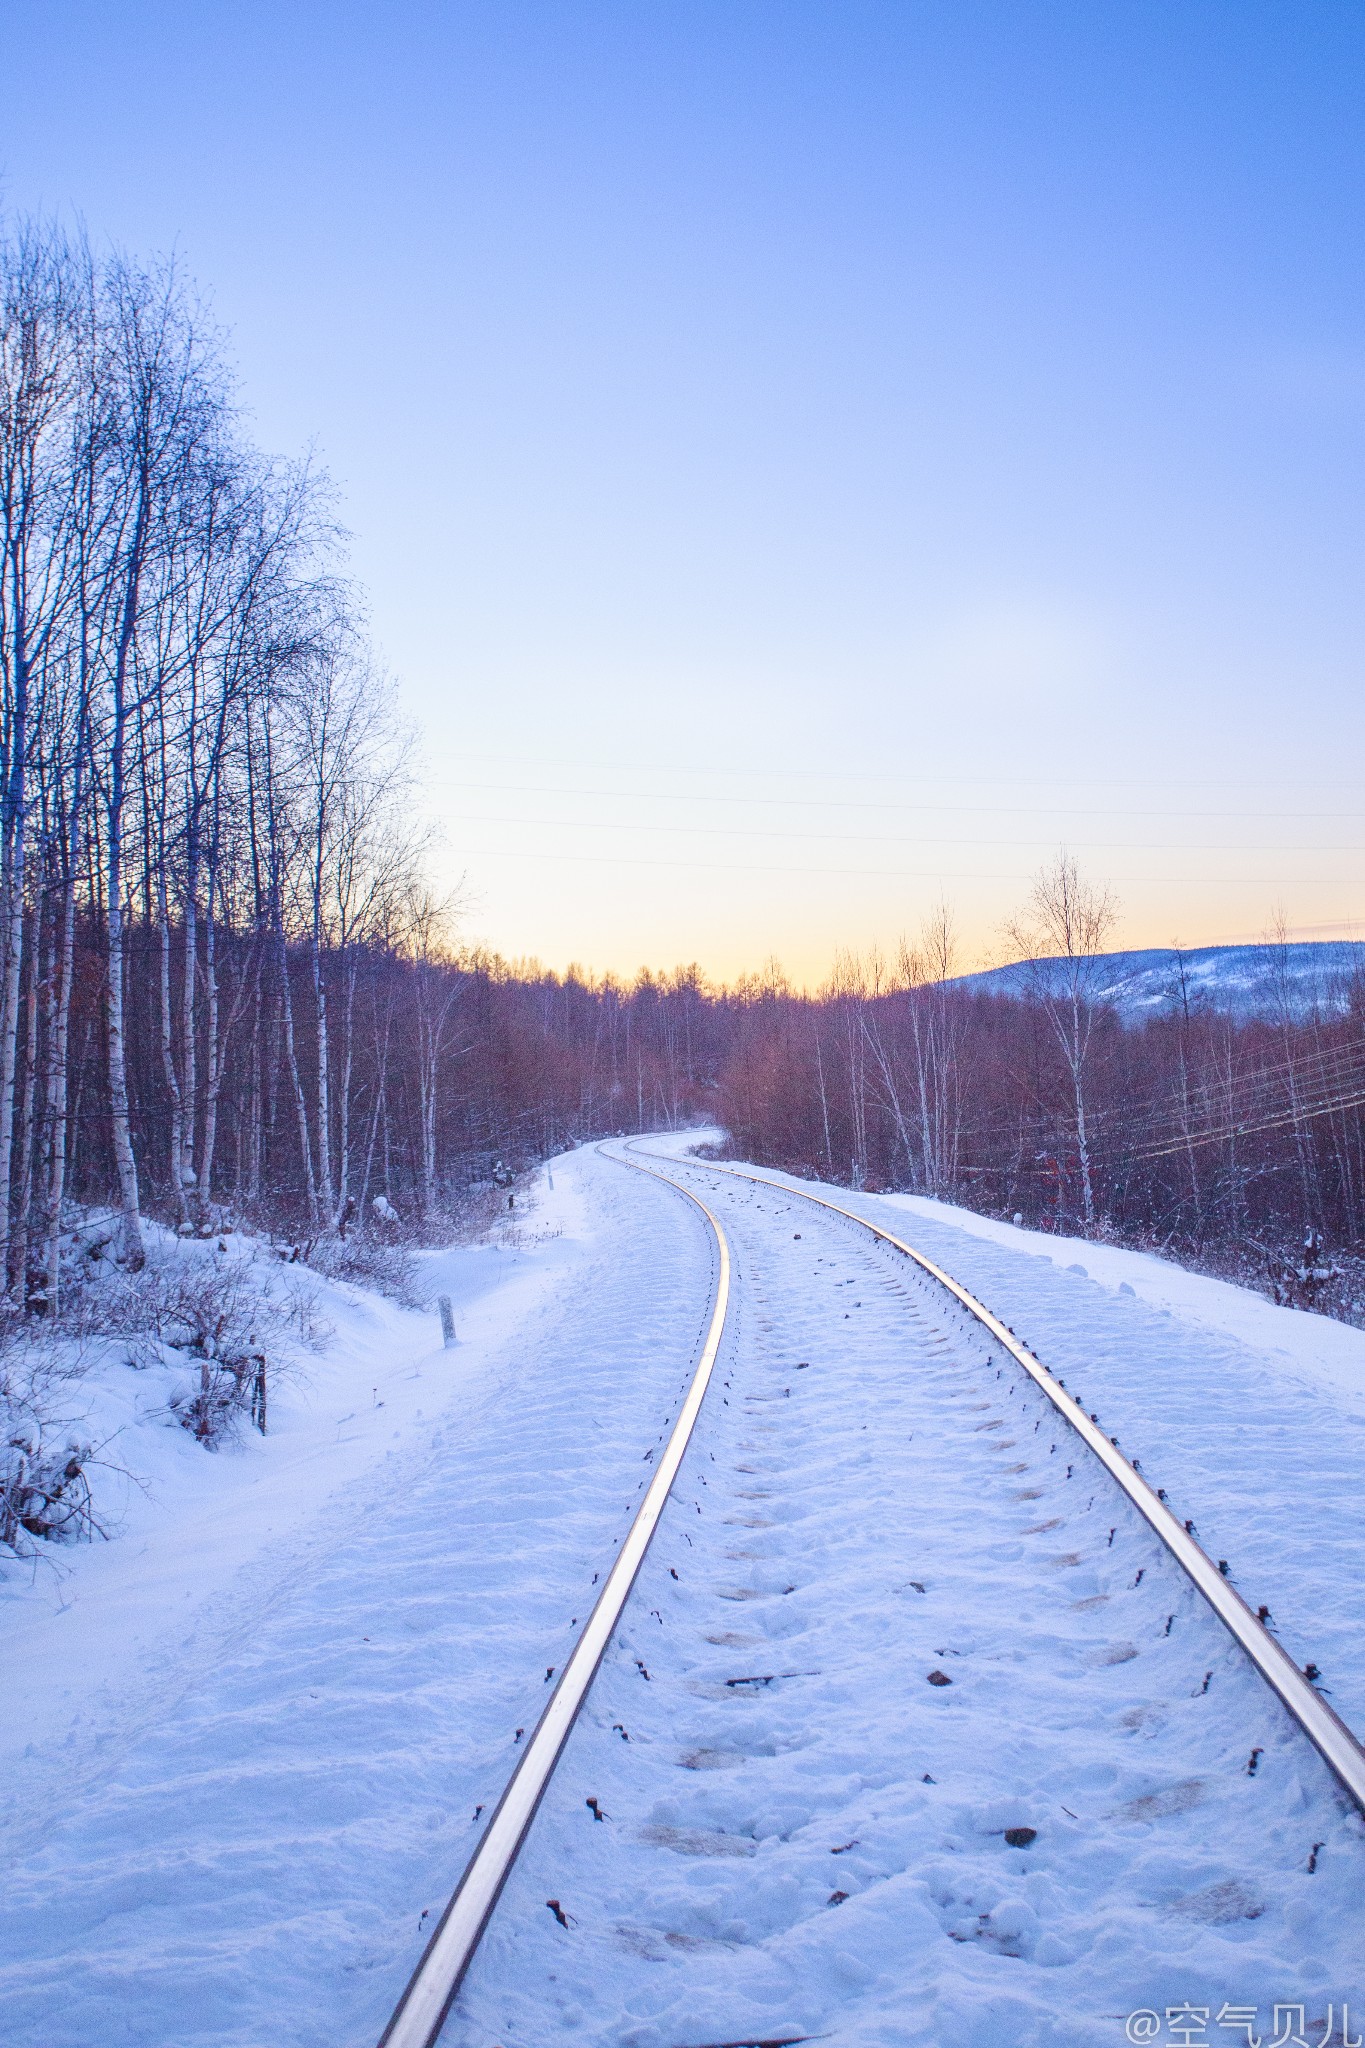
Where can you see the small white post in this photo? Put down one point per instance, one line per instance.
(447, 1319)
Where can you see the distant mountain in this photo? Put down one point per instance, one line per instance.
(1239, 981)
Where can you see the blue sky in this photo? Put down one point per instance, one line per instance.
(804, 459)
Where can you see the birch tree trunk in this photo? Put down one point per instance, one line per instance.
(300, 1100)
(12, 896)
(134, 1251)
(188, 1062)
(55, 1145)
(214, 1060)
(324, 1116)
(168, 1072)
(40, 947)
(350, 969)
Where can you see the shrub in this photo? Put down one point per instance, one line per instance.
(368, 1260)
(44, 1491)
(201, 1302)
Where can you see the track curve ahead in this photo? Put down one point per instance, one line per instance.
(829, 1553)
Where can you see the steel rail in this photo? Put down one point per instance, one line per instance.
(421, 2012)
(1336, 1745)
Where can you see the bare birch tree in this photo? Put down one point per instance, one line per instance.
(1061, 936)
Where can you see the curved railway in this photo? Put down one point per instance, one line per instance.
(421, 2014)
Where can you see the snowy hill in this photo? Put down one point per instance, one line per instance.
(1240, 981)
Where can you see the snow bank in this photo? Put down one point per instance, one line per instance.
(84, 1626)
(1329, 1353)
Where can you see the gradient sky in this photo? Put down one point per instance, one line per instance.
(805, 460)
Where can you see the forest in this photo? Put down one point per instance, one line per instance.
(229, 995)
(1236, 1144)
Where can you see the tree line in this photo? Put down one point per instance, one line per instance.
(1188, 1127)
(226, 990)
(228, 993)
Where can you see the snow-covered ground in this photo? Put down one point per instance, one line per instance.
(245, 1742)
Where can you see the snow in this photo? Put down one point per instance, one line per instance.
(245, 1741)
(226, 1831)
(1241, 981)
(865, 1455)
(187, 1523)
(1251, 1416)
(1305, 1347)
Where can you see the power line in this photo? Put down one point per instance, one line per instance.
(1029, 809)
(875, 838)
(937, 875)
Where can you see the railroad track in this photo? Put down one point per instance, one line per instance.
(418, 2020)
(421, 2012)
